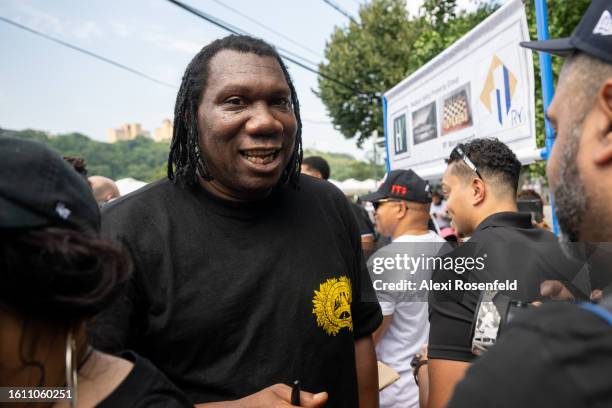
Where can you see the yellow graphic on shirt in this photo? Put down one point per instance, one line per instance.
(332, 305)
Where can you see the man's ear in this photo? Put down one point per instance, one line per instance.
(478, 190)
(402, 208)
(604, 105)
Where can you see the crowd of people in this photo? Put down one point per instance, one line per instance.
(246, 279)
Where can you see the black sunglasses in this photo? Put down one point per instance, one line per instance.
(467, 161)
(377, 204)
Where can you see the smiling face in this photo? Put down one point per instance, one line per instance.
(246, 124)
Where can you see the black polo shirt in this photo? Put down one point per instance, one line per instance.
(510, 249)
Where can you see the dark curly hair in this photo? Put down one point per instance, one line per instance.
(492, 158)
(185, 163)
(59, 275)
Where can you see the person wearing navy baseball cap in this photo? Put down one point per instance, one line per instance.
(402, 205)
(560, 354)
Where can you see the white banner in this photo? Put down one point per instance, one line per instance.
(481, 86)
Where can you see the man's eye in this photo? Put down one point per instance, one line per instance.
(282, 102)
(235, 101)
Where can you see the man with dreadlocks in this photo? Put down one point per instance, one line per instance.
(247, 277)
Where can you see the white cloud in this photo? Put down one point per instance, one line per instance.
(120, 29)
(87, 30)
(84, 30)
(160, 38)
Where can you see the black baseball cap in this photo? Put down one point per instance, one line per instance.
(402, 185)
(39, 189)
(592, 35)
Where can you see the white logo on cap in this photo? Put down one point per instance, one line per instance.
(62, 211)
(604, 25)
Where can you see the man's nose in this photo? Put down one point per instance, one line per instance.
(263, 122)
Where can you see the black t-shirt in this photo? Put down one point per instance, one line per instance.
(229, 298)
(510, 248)
(145, 386)
(556, 356)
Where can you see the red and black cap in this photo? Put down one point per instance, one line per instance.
(39, 189)
(402, 185)
(592, 35)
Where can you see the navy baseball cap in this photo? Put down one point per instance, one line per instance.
(592, 35)
(38, 188)
(402, 185)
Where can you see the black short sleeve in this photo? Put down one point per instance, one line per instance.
(363, 221)
(451, 312)
(121, 325)
(367, 315)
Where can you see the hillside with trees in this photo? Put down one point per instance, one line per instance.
(146, 160)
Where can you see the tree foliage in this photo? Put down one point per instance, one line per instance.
(386, 47)
(563, 16)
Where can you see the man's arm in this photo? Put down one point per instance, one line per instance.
(367, 372)
(382, 329)
(443, 376)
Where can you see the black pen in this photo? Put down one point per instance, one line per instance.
(295, 393)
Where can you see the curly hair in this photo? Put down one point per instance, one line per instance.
(59, 275)
(185, 163)
(492, 158)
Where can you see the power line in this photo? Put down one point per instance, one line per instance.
(340, 10)
(84, 51)
(232, 29)
(313, 52)
(229, 27)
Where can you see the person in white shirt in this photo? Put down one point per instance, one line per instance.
(402, 213)
(438, 211)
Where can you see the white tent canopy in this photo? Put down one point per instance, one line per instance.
(127, 185)
(352, 186)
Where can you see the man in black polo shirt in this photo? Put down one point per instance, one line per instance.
(505, 248)
(560, 355)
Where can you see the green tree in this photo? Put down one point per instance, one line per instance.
(563, 16)
(370, 57)
(386, 47)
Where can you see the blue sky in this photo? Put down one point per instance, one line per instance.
(48, 87)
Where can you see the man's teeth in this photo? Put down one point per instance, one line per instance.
(260, 157)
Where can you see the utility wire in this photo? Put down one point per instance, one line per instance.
(340, 10)
(232, 29)
(305, 48)
(84, 51)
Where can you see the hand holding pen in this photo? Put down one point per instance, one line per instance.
(280, 395)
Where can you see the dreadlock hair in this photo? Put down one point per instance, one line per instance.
(185, 162)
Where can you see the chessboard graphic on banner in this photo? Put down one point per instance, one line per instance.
(456, 111)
